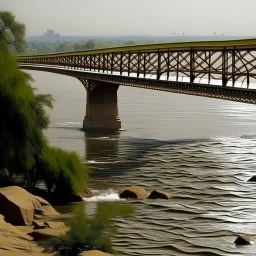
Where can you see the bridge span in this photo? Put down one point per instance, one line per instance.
(217, 69)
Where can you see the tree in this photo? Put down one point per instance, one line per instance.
(24, 151)
(90, 45)
(11, 32)
(77, 46)
(23, 118)
(62, 170)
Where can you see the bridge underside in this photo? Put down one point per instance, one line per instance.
(210, 91)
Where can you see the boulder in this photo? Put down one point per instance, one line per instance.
(252, 179)
(242, 240)
(133, 192)
(94, 253)
(46, 233)
(55, 224)
(86, 193)
(155, 194)
(19, 207)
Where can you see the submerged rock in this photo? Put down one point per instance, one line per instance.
(94, 253)
(252, 179)
(19, 207)
(242, 240)
(155, 194)
(133, 192)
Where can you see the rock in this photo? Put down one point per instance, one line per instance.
(12, 239)
(25, 229)
(155, 194)
(39, 224)
(86, 193)
(56, 198)
(46, 233)
(20, 206)
(136, 192)
(252, 179)
(14, 242)
(242, 240)
(94, 253)
(53, 224)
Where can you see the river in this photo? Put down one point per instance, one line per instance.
(200, 150)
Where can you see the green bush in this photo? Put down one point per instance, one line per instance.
(89, 233)
(62, 170)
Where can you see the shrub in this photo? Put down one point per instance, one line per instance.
(89, 233)
(62, 170)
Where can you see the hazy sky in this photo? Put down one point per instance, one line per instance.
(130, 17)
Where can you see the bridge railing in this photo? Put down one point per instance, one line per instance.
(226, 63)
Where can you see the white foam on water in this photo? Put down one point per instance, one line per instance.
(95, 162)
(69, 123)
(109, 195)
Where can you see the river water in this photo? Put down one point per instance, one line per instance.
(200, 150)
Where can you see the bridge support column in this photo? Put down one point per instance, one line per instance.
(101, 106)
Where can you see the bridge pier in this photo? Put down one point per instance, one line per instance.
(101, 106)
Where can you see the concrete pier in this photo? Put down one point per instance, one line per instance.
(102, 108)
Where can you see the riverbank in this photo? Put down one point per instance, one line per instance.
(26, 219)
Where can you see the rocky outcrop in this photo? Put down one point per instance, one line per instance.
(133, 192)
(38, 224)
(46, 233)
(156, 194)
(55, 224)
(94, 253)
(20, 207)
(12, 239)
(242, 240)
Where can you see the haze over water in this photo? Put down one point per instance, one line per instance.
(200, 150)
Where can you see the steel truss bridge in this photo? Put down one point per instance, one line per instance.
(216, 69)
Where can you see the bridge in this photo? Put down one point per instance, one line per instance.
(215, 69)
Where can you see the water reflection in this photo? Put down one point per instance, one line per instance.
(100, 147)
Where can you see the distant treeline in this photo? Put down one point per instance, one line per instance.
(37, 45)
(64, 46)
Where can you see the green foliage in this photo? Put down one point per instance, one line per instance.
(61, 170)
(24, 151)
(38, 105)
(90, 233)
(11, 32)
(21, 136)
(90, 45)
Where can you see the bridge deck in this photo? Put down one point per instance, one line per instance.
(184, 67)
